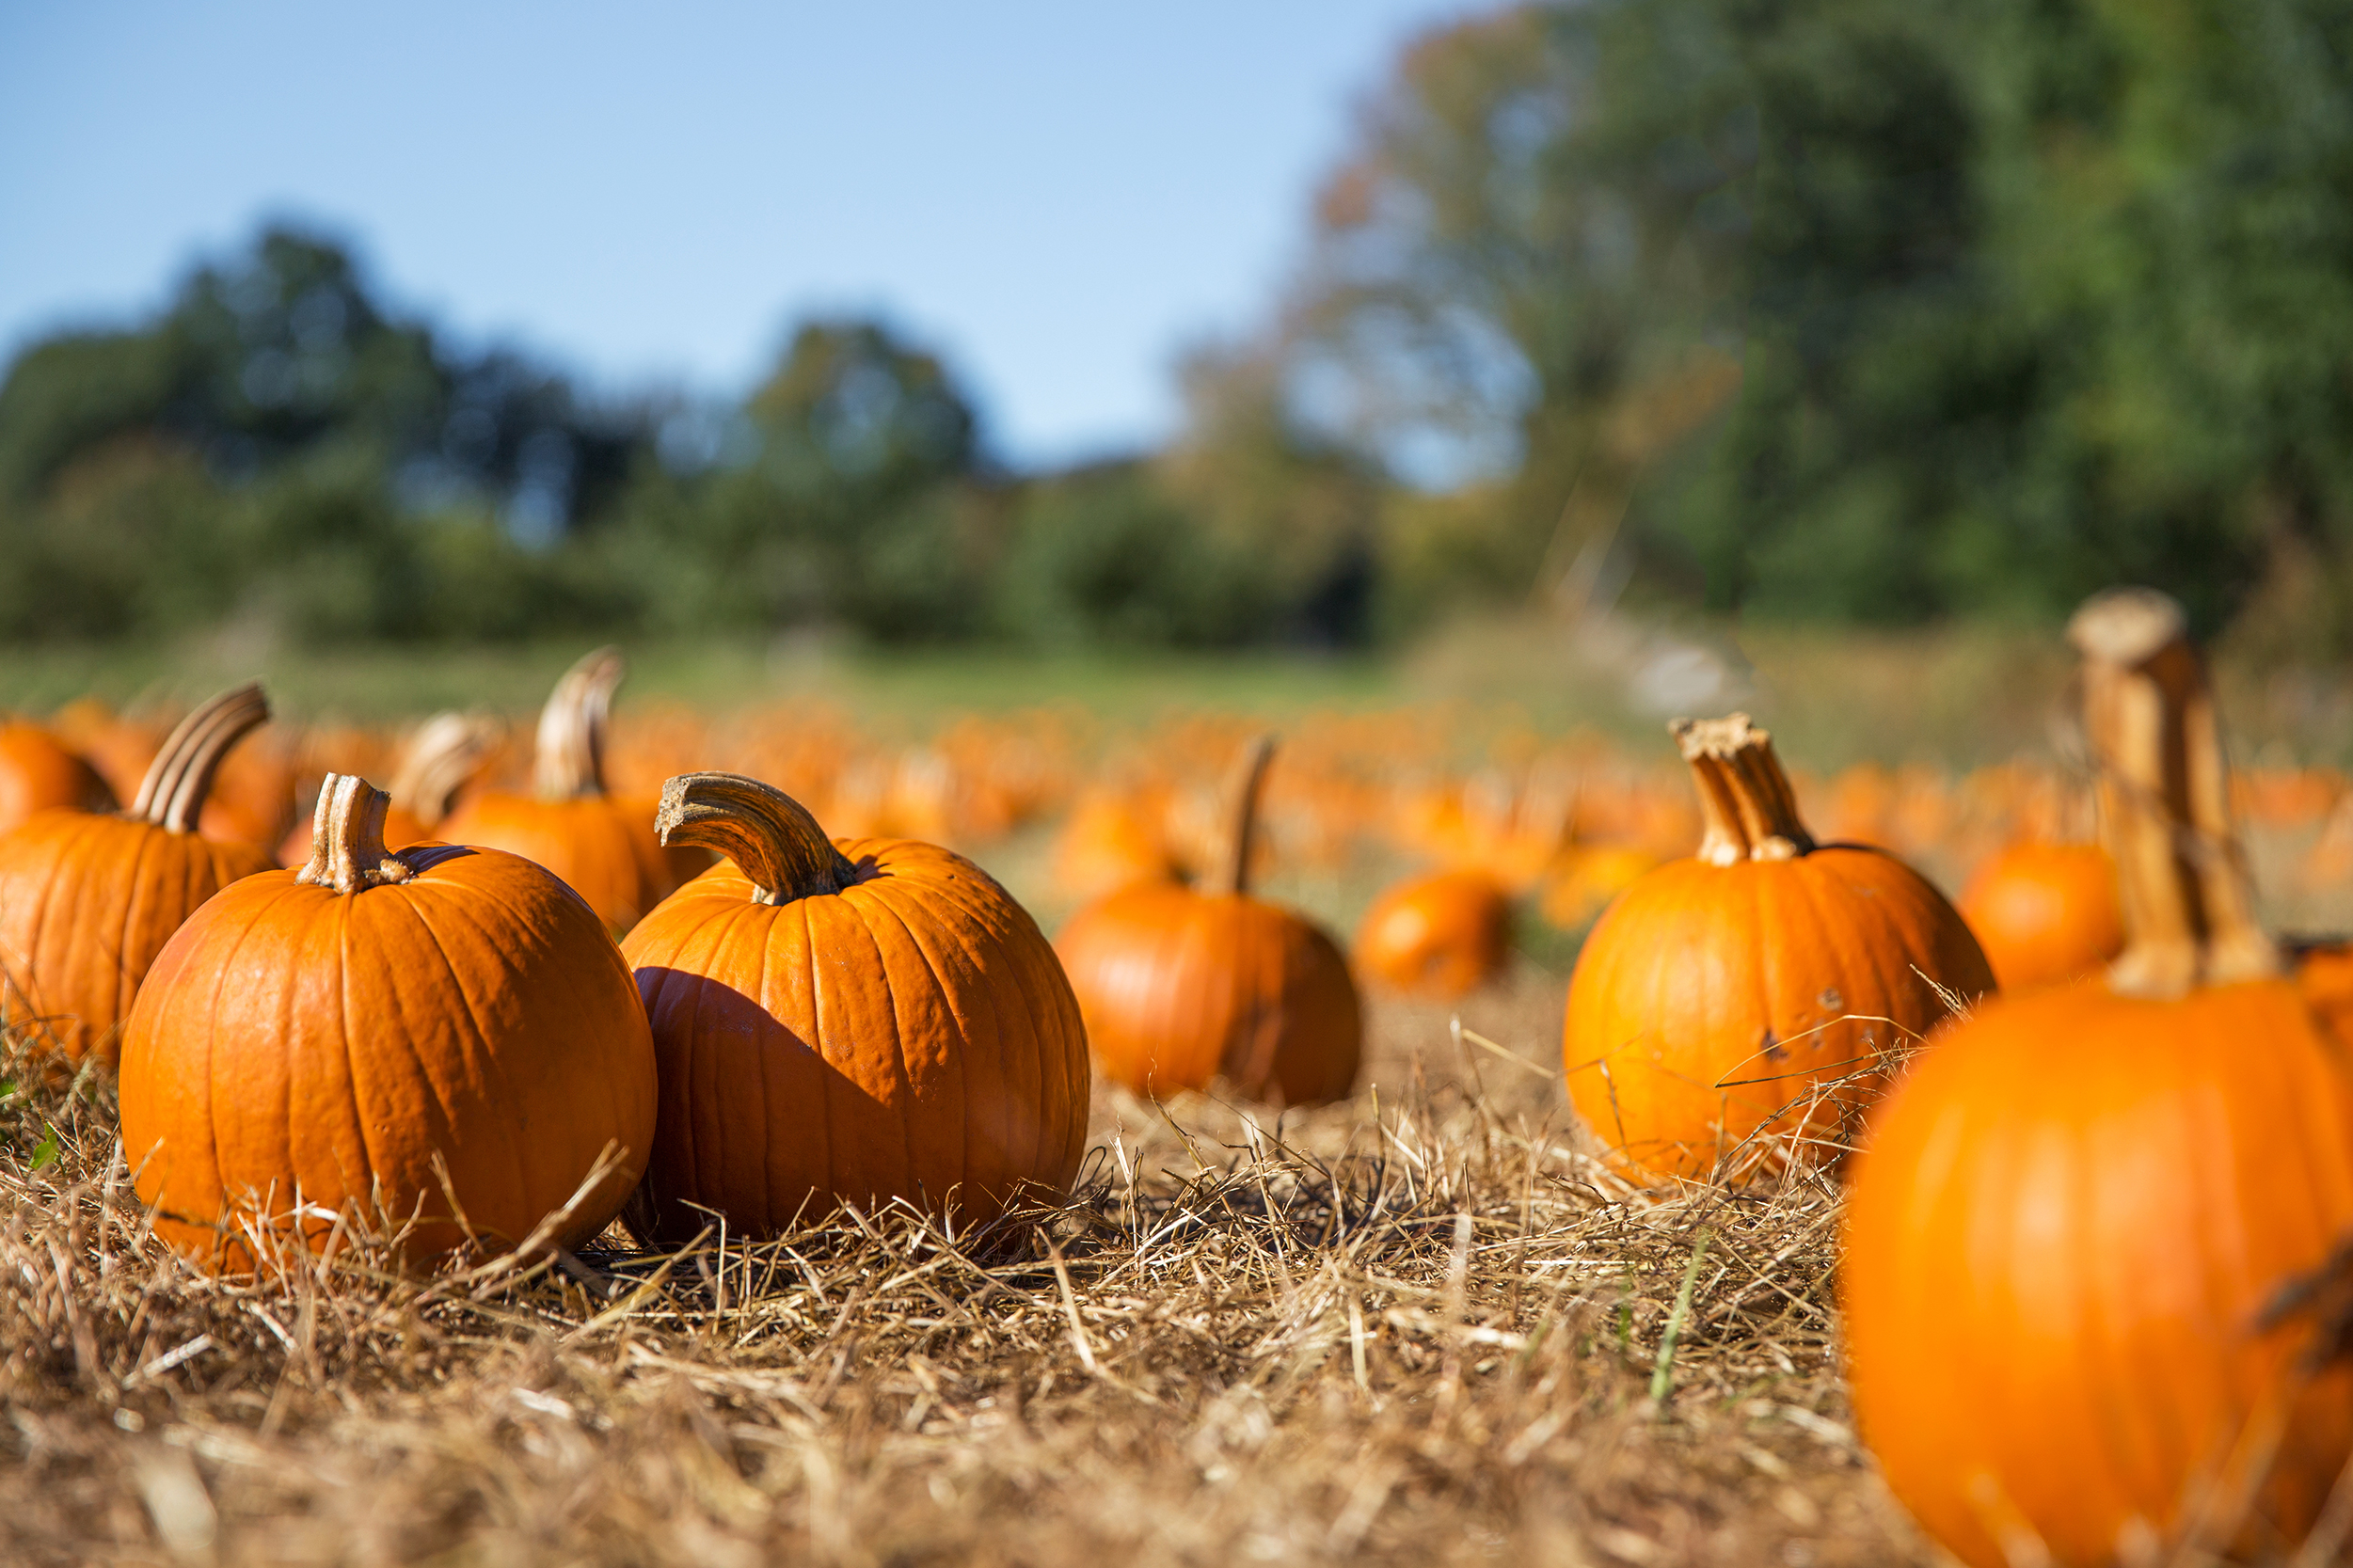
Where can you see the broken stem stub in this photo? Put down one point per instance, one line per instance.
(1748, 811)
(347, 851)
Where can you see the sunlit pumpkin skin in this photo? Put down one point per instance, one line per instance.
(602, 845)
(2093, 1237)
(1442, 935)
(88, 901)
(857, 1020)
(37, 773)
(2053, 1270)
(2044, 912)
(1732, 1012)
(1179, 987)
(302, 1033)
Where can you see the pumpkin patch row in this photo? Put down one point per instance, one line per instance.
(2096, 1226)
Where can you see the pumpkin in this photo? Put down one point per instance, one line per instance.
(2044, 912)
(37, 773)
(1731, 1013)
(853, 1020)
(443, 1039)
(1439, 935)
(2086, 1239)
(1179, 986)
(602, 845)
(441, 759)
(88, 901)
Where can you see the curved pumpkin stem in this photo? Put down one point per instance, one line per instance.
(770, 835)
(447, 749)
(347, 851)
(2188, 899)
(570, 759)
(172, 794)
(1254, 765)
(1748, 812)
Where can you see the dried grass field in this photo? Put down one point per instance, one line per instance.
(1424, 1325)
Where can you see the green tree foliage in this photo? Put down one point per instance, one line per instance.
(2031, 295)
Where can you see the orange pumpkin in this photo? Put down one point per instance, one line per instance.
(1179, 986)
(86, 900)
(1733, 1012)
(846, 1019)
(1440, 935)
(441, 759)
(392, 1033)
(602, 845)
(2093, 1236)
(37, 773)
(2044, 912)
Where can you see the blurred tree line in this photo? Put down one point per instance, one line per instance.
(1849, 309)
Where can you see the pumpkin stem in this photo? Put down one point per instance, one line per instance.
(770, 835)
(447, 749)
(570, 759)
(1254, 766)
(1748, 812)
(172, 794)
(347, 838)
(2189, 900)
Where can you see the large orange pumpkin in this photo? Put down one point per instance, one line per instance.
(1179, 987)
(2086, 1240)
(37, 773)
(1735, 1011)
(850, 1019)
(441, 759)
(390, 1031)
(1442, 935)
(2044, 912)
(602, 845)
(88, 901)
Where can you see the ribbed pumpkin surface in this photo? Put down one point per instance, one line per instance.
(87, 902)
(293, 1038)
(1715, 1002)
(2058, 1243)
(1179, 987)
(910, 1035)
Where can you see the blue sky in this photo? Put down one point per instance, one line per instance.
(1058, 196)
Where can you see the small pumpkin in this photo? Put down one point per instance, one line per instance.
(1733, 1012)
(86, 900)
(1179, 986)
(601, 845)
(37, 773)
(1442, 934)
(2044, 912)
(2084, 1241)
(406, 1030)
(846, 1019)
(441, 759)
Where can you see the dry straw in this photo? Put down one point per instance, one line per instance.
(1421, 1327)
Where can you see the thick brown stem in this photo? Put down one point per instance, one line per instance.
(2149, 716)
(447, 749)
(1748, 812)
(172, 795)
(569, 761)
(1244, 838)
(770, 835)
(347, 838)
